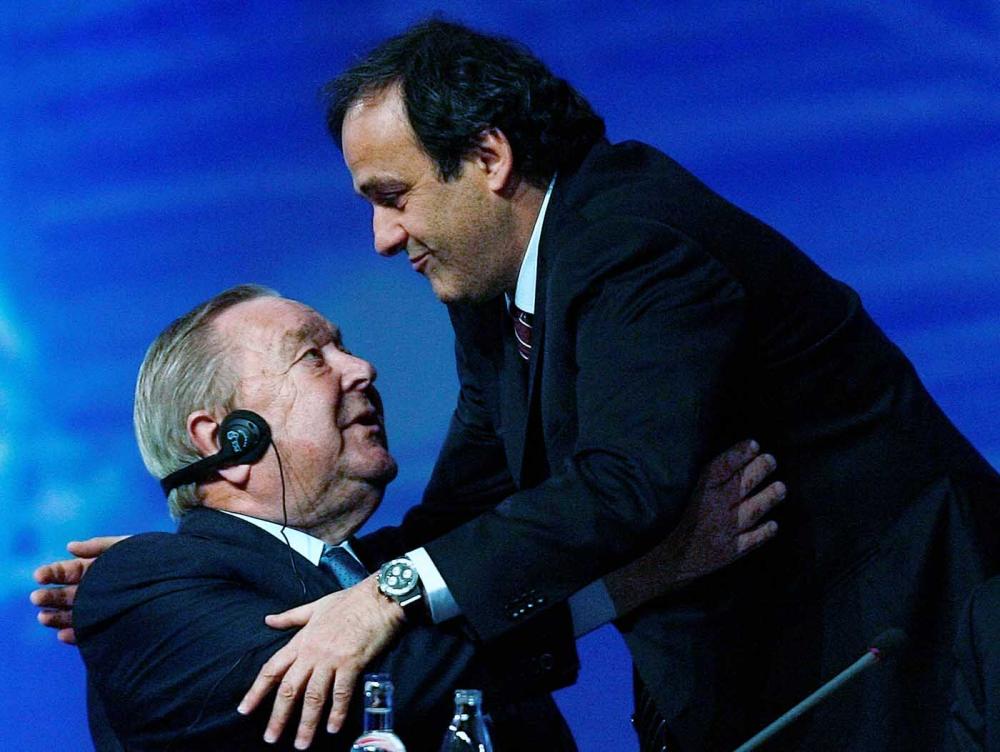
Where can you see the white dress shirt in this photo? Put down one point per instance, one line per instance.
(307, 545)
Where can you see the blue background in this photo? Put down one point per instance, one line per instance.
(154, 153)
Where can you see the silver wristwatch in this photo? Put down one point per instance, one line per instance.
(398, 580)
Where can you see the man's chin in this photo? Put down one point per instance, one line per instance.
(443, 292)
(454, 294)
(382, 475)
(391, 471)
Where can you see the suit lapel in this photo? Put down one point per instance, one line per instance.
(534, 462)
(519, 389)
(211, 523)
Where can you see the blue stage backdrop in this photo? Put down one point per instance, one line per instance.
(156, 152)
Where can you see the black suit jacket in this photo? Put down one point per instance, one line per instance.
(975, 710)
(171, 628)
(668, 324)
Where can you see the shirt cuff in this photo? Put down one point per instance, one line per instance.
(591, 608)
(440, 602)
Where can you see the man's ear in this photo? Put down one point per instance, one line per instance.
(495, 157)
(203, 430)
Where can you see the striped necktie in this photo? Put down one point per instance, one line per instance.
(338, 561)
(522, 330)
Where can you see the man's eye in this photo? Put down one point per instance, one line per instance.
(390, 200)
(313, 353)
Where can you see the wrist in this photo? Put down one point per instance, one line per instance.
(391, 611)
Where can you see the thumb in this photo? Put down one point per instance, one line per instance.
(93, 547)
(293, 617)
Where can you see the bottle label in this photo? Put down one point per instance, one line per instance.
(378, 741)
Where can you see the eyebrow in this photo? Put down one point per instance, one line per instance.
(293, 338)
(375, 185)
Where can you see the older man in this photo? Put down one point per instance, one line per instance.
(617, 321)
(172, 626)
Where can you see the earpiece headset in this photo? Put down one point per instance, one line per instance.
(244, 436)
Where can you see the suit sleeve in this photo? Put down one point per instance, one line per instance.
(653, 332)
(173, 635)
(974, 723)
(470, 475)
(171, 654)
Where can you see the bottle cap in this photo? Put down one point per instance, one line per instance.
(468, 697)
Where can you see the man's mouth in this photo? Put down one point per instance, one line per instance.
(365, 411)
(366, 417)
(419, 263)
(369, 423)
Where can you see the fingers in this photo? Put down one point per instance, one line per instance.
(751, 510)
(59, 597)
(67, 636)
(313, 701)
(314, 689)
(343, 688)
(269, 675)
(754, 472)
(342, 635)
(725, 466)
(66, 572)
(57, 611)
(285, 700)
(757, 537)
(312, 682)
(55, 619)
(71, 571)
(93, 547)
(293, 617)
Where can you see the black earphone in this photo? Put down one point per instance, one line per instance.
(244, 436)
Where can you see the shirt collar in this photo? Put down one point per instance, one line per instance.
(307, 545)
(524, 292)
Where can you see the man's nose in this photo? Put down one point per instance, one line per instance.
(356, 374)
(390, 236)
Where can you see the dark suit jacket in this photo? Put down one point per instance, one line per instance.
(171, 628)
(975, 710)
(668, 324)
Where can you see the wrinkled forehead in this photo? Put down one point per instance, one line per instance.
(305, 325)
(273, 328)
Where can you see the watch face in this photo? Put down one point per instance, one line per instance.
(397, 578)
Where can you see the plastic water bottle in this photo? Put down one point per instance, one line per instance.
(378, 735)
(467, 732)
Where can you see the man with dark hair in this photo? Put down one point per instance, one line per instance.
(457, 86)
(616, 322)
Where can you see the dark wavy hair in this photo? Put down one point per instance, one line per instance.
(456, 83)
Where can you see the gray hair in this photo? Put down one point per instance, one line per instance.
(185, 369)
